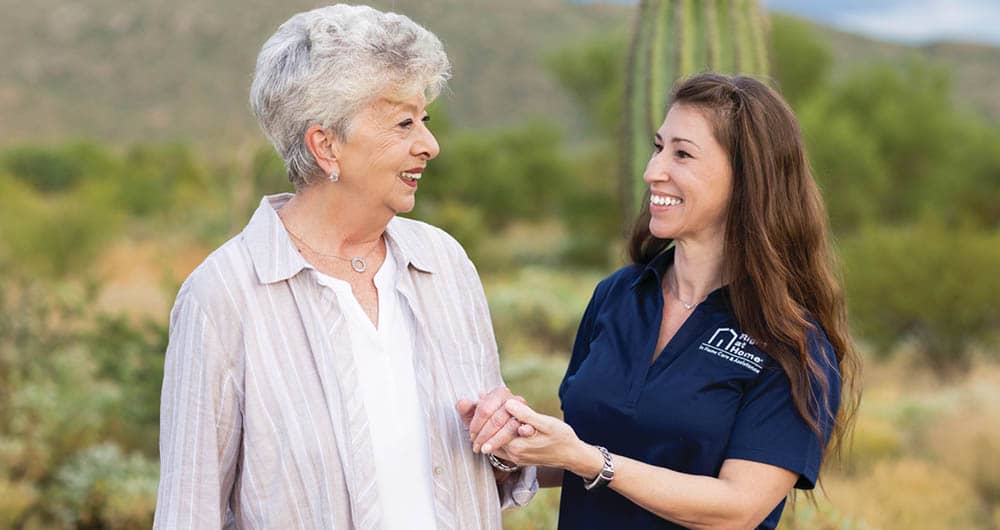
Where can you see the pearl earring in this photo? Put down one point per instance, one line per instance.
(334, 176)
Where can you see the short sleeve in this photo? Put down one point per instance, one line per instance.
(770, 430)
(584, 334)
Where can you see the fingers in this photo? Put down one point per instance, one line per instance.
(526, 431)
(487, 406)
(466, 409)
(507, 433)
(524, 414)
(494, 427)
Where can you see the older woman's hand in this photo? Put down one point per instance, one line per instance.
(489, 423)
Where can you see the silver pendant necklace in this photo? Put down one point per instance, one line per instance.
(359, 264)
(673, 291)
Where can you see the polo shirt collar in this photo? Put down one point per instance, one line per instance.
(276, 258)
(655, 269)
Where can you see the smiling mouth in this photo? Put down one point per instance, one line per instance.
(665, 200)
(412, 177)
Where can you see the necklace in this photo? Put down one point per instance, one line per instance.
(359, 264)
(673, 290)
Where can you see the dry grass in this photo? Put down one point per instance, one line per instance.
(139, 278)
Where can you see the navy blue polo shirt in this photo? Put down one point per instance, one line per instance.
(709, 396)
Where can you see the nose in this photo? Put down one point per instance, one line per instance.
(657, 169)
(426, 146)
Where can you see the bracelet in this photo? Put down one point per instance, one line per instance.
(606, 475)
(499, 464)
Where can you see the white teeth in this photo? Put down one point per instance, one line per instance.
(411, 176)
(663, 200)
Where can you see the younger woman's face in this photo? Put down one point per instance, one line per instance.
(690, 179)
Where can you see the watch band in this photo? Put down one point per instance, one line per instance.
(607, 473)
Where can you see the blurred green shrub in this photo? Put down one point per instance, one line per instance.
(935, 286)
(54, 235)
(49, 169)
(536, 378)
(156, 178)
(72, 380)
(799, 61)
(102, 488)
(511, 173)
(593, 73)
(539, 309)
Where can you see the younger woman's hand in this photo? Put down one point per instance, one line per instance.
(554, 443)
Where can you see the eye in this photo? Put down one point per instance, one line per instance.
(682, 154)
(426, 118)
(406, 124)
(657, 147)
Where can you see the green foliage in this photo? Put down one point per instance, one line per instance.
(538, 309)
(74, 387)
(515, 173)
(931, 285)
(102, 488)
(853, 186)
(536, 378)
(484, 180)
(800, 61)
(913, 132)
(44, 169)
(885, 142)
(157, 178)
(593, 74)
(52, 235)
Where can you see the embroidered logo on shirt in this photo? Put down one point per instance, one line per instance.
(731, 346)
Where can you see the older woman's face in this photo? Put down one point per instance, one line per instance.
(389, 144)
(690, 179)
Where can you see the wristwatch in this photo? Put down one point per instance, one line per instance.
(607, 473)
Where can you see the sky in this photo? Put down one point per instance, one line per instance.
(910, 21)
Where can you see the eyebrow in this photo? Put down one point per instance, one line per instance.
(677, 140)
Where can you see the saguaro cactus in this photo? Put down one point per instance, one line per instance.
(673, 39)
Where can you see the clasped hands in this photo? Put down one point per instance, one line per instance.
(503, 424)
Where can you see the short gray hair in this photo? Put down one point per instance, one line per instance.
(322, 67)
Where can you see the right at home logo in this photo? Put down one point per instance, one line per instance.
(731, 346)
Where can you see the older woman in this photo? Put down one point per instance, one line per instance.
(707, 376)
(315, 358)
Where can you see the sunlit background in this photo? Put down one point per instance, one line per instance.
(127, 153)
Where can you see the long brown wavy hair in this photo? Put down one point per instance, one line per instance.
(780, 271)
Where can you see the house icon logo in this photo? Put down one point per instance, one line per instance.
(735, 347)
(723, 338)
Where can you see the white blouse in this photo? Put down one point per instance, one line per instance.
(384, 360)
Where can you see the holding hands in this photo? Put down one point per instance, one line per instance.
(504, 425)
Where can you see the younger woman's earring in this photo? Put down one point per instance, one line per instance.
(334, 176)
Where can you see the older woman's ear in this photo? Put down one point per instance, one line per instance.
(325, 148)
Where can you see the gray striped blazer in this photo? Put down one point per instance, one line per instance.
(261, 422)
